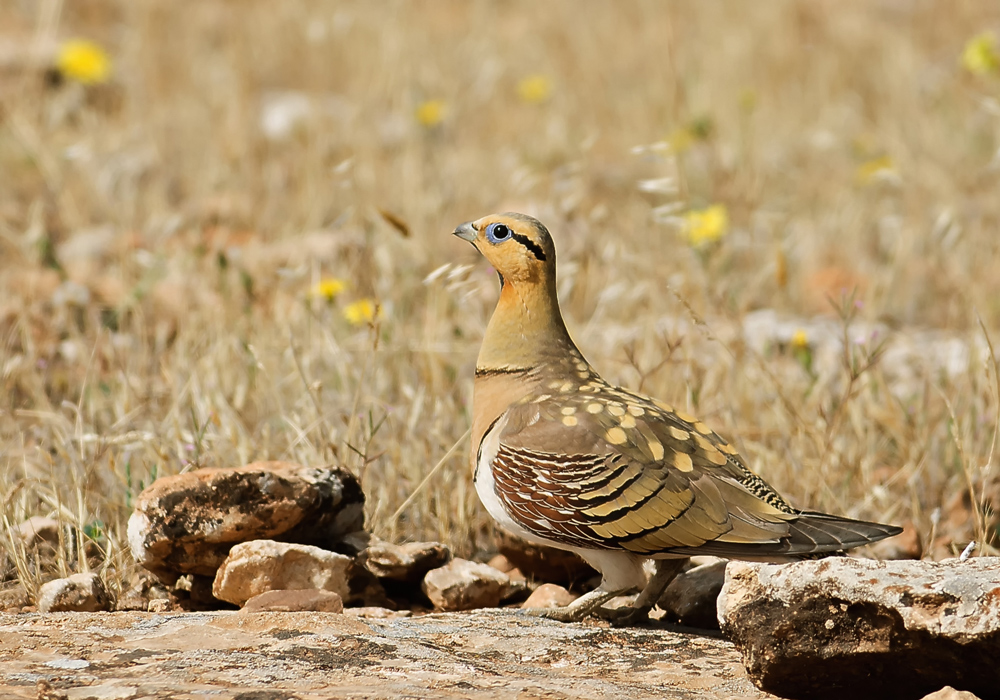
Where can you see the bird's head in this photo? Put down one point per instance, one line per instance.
(518, 246)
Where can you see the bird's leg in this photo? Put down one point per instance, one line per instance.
(581, 607)
(666, 570)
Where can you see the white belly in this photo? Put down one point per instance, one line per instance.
(620, 569)
(486, 486)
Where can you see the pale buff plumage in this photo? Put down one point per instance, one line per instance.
(565, 459)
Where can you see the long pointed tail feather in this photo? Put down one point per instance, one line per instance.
(809, 534)
(819, 532)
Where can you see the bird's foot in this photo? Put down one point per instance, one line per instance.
(579, 608)
(618, 617)
(625, 617)
(558, 614)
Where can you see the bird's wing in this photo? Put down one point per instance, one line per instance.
(615, 470)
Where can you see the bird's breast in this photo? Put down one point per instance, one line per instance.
(486, 484)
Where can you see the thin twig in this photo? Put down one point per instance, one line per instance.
(977, 516)
(996, 430)
(430, 475)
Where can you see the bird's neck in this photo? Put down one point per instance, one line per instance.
(526, 331)
(526, 347)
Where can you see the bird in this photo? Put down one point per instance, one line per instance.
(563, 458)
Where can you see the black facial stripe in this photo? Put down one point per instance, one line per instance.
(535, 249)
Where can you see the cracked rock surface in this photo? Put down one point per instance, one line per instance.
(866, 629)
(481, 654)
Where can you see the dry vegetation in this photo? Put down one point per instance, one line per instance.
(162, 236)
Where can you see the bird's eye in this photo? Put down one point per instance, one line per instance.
(497, 233)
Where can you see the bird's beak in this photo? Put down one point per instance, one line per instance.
(466, 232)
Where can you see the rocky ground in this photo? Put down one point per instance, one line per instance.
(261, 583)
(267, 656)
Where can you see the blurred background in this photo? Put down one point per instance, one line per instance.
(225, 237)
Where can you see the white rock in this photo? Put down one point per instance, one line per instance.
(299, 600)
(861, 628)
(949, 693)
(465, 585)
(549, 595)
(258, 566)
(78, 593)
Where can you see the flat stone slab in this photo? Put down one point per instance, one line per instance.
(842, 627)
(480, 654)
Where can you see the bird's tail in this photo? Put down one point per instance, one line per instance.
(810, 534)
(813, 533)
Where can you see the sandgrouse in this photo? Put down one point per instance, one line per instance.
(563, 458)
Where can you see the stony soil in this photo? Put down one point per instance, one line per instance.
(272, 656)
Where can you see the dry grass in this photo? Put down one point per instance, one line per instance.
(157, 246)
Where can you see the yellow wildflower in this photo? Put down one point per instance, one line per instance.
(361, 311)
(981, 55)
(534, 89)
(327, 289)
(84, 61)
(881, 168)
(704, 226)
(430, 113)
(802, 351)
(680, 140)
(800, 341)
(698, 129)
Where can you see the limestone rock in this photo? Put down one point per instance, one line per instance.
(544, 564)
(78, 593)
(465, 585)
(867, 629)
(186, 524)
(407, 563)
(549, 595)
(949, 693)
(483, 654)
(692, 597)
(301, 600)
(255, 567)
